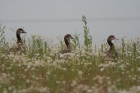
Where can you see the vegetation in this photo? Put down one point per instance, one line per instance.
(42, 70)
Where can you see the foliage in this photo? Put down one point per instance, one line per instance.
(40, 70)
(87, 36)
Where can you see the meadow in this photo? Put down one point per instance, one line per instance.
(41, 69)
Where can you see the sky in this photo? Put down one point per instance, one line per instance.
(52, 18)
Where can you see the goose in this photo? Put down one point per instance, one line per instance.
(20, 47)
(111, 53)
(68, 49)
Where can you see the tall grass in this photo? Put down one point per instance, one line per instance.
(3, 43)
(87, 36)
(40, 70)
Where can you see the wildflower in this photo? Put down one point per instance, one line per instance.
(4, 74)
(102, 69)
(73, 83)
(80, 72)
(139, 69)
(122, 67)
(48, 73)
(57, 81)
(89, 90)
(63, 81)
(64, 68)
(138, 57)
(27, 81)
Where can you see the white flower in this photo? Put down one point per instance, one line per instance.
(73, 83)
(139, 69)
(102, 69)
(80, 72)
(64, 68)
(57, 81)
(89, 91)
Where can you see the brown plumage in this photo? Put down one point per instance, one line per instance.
(68, 49)
(111, 53)
(20, 47)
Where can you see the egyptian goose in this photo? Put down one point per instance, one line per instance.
(111, 53)
(20, 46)
(68, 49)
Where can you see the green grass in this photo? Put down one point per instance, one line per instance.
(42, 70)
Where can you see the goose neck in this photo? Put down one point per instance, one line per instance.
(19, 41)
(18, 37)
(110, 44)
(67, 42)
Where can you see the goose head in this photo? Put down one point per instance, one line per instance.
(20, 30)
(67, 38)
(111, 37)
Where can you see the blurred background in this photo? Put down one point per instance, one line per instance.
(52, 18)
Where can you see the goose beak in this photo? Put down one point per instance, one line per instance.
(114, 38)
(24, 32)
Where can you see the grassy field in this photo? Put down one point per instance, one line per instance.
(42, 70)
